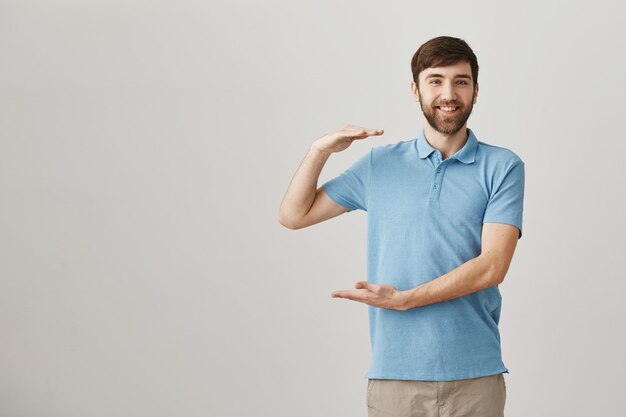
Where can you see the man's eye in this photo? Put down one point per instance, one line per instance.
(436, 81)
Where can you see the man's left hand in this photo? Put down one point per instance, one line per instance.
(377, 295)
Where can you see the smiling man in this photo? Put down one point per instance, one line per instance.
(444, 215)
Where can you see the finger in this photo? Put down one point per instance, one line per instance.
(360, 133)
(367, 285)
(365, 298)
(354, 127)
(370, 132)
(355, 133)
(356, 295)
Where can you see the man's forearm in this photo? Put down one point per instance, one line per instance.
(474, 275)
(300, 194)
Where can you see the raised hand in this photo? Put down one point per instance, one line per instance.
(343, 137)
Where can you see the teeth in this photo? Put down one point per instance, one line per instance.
(448, 108)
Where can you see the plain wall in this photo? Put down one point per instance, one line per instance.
(145, 147)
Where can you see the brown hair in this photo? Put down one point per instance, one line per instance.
(443, 51)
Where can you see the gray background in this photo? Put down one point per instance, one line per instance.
(145, 147)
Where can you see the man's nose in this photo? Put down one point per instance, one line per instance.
(448, 93)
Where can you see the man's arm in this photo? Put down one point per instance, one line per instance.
(487, 269)
(302, 191)
(304, 204)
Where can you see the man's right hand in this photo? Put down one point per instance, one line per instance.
(342, 138)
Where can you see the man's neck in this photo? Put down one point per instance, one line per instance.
(446, 144)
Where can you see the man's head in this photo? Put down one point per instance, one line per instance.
(445, 72)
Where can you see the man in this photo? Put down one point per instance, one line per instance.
(444, 215)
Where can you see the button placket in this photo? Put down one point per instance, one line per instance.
(438, 180)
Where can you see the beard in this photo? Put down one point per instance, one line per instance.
(448, 124)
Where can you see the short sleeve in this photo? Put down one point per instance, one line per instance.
(351, 188)
(506, 204)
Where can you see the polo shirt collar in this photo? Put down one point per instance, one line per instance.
(467, 154)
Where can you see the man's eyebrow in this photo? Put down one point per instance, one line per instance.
(469, 77)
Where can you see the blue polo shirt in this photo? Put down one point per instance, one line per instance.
(424, 218)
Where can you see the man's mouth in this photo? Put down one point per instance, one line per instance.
(448, 109)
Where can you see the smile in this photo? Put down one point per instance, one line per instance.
(448, 110)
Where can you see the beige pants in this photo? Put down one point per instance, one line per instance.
(477, 397)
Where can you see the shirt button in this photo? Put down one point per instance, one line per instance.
(438, 170)
(435, 185)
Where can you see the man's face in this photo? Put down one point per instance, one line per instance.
(446, 86)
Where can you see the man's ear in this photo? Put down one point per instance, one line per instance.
(476, 94)
(414, 91)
